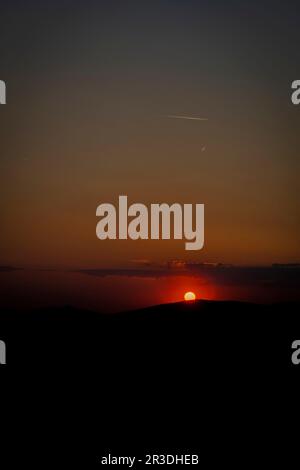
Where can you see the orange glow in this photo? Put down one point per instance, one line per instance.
(188, 296)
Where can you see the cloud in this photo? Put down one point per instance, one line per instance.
(131, 272)
(281, 275)
(8, 269)
(285, 275)
(141, 262)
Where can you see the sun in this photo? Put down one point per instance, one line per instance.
(188, 296)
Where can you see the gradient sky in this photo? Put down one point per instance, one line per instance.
(89, 87)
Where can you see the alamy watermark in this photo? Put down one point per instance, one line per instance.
(2, 352)
(296, 93)
(157, 223)
(2, 92)
(296, 354)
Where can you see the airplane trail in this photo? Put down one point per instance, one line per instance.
(191, 118)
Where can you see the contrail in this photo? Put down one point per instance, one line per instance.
(175, 116)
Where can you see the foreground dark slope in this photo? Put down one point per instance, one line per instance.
(214, 378)
(196, 331)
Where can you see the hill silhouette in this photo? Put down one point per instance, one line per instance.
(174, 332)
(204, 377)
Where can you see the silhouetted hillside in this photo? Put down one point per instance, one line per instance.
(194, 331)
(195, 377)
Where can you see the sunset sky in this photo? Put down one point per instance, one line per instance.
(90, 86)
